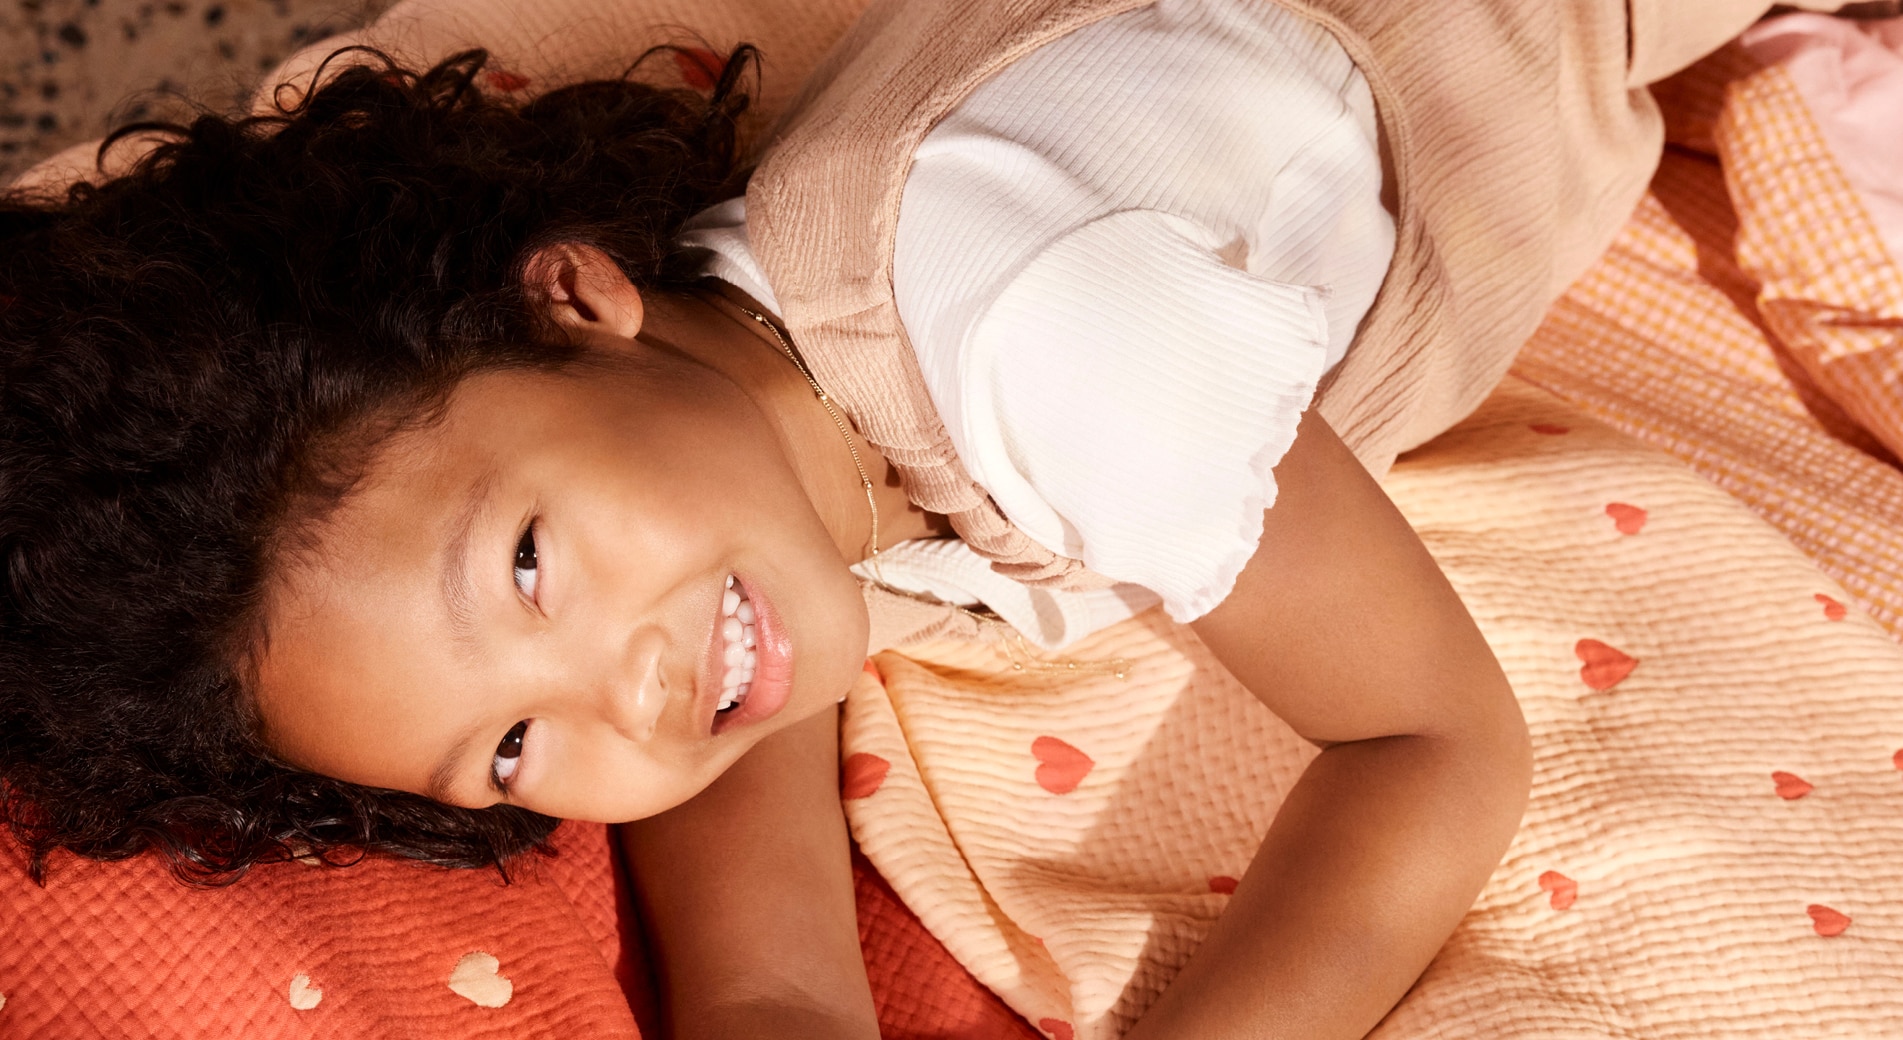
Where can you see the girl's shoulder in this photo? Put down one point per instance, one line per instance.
(1121, 310)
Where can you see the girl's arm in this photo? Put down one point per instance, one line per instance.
(1345, 627)
(746, 898)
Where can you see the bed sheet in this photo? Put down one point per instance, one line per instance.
(1711, 848)
(1704, 334)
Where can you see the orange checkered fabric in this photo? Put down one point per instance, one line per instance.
(1829, 292)
(1745, 321)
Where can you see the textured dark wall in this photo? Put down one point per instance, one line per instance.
(72, 69)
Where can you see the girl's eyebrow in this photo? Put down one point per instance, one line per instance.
(442, 779)
(459, 600)
(459, 593)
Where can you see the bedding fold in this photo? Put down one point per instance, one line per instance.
(1069, 840)
(1690, 563)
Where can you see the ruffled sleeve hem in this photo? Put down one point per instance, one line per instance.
(1128, 395)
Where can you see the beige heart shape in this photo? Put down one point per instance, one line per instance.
(476, 979)
(304, 996)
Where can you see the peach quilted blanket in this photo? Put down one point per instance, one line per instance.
(1716, 700)
(1681, 525)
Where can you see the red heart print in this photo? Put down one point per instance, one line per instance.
(1825, 921)
(1833, 610)
(505, 81)
(1057, 1027)
(1790, 786)
(1549, 429)
(1222, 885)
(700, 68)
(1897, 759)
(1604, 666)
(1629, 519)
(1060, 767)
(1564, 889)
(861, 774)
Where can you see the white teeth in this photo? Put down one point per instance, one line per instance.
(738, 665)
(734, 600)
(732, 698)
(738, 637)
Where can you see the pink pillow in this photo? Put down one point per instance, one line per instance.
(1814, 163)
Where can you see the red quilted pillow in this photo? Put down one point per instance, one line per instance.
(390, 948)
(384, 948)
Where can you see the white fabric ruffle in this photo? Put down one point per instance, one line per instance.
(1139, 438)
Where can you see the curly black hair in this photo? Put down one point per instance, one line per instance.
(196, 360)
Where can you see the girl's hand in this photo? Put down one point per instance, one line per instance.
(746, 898)
(1345, 627)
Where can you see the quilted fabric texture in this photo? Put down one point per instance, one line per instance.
(383, 948)
(1711, 845)
(1714, 793)
(1719, 755)
(392, 949)
(920, 990)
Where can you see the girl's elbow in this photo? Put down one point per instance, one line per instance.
(1509, 751)
(1499, 747)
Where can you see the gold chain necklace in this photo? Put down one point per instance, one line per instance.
(865, 482)
(1021, 656)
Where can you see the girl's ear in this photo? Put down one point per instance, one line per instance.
(585, 291)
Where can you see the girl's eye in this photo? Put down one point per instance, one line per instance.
(525, 563)
(509, 754)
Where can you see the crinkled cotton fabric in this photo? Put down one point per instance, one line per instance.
(1124, 263)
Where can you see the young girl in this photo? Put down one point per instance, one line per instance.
(407, 471)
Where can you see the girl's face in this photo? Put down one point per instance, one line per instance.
(527, 601)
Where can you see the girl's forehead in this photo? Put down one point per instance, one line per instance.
(398, 501)
(374, 547)
(354, 625)
(418, 493)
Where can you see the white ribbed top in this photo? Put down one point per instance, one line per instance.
(1124, 262)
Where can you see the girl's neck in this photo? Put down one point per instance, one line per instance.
(710, 324)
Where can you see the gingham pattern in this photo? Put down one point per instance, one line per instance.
(1828, 289)
(1779, 402)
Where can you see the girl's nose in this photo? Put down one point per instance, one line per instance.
(634, 692)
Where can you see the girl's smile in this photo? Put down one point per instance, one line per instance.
(757, 685)
(524, 601)
(546, 593)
